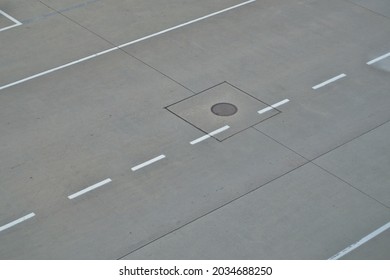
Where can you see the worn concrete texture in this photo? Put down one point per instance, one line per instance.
(82, 100)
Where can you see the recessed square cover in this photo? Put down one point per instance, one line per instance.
(5, 22)
(219, 106)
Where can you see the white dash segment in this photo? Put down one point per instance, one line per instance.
(123, 45)
(185, 24)
(378, 59)
(269, 108)
(207, 136)
(18, 221)
(149, 162)
(97, 185)
(330, 81)
(200, 139)
(361, 242)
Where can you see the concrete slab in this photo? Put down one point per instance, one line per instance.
(302, 215)
(197, 110)
(267, 41)
(364, 163)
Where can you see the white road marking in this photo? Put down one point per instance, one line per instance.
(329, 81)
(378, 58)
(361, 242)
(57, 68)
(18, 221)
(207, 136)
(146, 163)
(98, 185)
(17, 23)
(262, 111)
(122, 46)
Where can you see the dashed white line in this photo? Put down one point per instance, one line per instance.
(266, 109)
(97, 185)
(18, 221)
(378, 58)
(207, 136)
(149, 162)
(361, 242)
(123, 45)
(330, 81)
(17, 23)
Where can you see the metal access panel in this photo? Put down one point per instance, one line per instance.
(221, 105)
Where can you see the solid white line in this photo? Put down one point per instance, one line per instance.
(361, 242)
(146, 163)
(10, 18)
(57, 68)
(329, 81)
(17, 23)
(98, 185)
(123, 45)
(262, 111)
(207, 136)
(18, 221)
(378, 58)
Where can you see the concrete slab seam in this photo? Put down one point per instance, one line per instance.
(95, 186)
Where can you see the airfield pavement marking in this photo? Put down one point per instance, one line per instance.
(330, 81)
(18, 221)
(123, 45)
(149, 162)
(378, 58)
(269, 108)
(207, 136)
(361, 242)
(95, 186)
(17, 23)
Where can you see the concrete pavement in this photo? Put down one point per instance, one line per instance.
(82, 102)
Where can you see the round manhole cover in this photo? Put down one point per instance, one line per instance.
(224, 109)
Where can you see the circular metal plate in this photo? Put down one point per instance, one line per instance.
(224, 109)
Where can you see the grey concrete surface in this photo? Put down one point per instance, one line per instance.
(302, 184)
(377, 248)
(289, 218)
(5, 22)
(197, 110)
(377, 6)
(364, 163)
